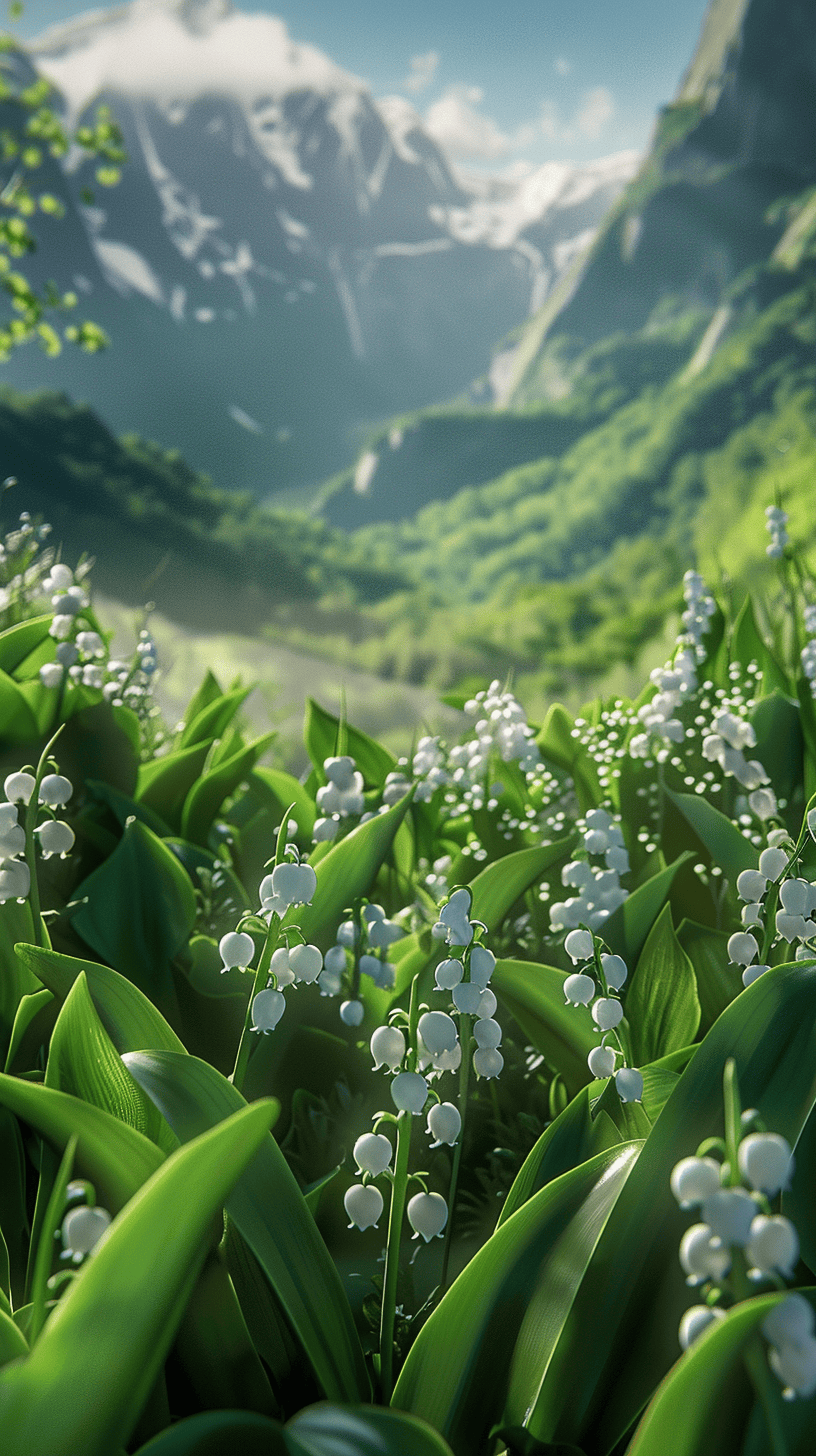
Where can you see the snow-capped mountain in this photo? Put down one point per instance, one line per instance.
(286, 258)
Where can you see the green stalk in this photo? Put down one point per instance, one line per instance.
(733, 1114)
(41, 937)
(399, 1190)
(244, 1045)
(464, 1077)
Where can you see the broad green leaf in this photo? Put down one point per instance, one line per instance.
(799, 1203)
(680, 1416)
(603, 1371)
(748, 645)
(718, 982)
(131, 1021)
(727, 847)
(626, 929)
(32, 1027)
(14, 1220)
(777, 722)
(662, 1008)
(13, 1343)
(557, 744)
(565, 1035)
(213, 717)
(320, 736)
(83, 1061)
(269, 1210)
(481, 1354)
(16, 982)
(123, 807)
(114, 1157)
(18, 642)
(220, 1433)
(87, 1378)
(18, 720)
(139, 913)
(164, 783)
(209, 690)
(573, 1138)
(210, 790)
(329, 1430)
(214, 1349)
(346, 872)
(285, 790)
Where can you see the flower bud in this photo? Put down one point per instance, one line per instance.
(409, 1092)
(615, 970)
(372, 1153)
(601, 1061)
(607, 1012)
(325, 829)
(51, 674)
(427, 1215)
(695, 1320)
(444, 1124)
(236, 949)
(352, 1012)
(82, 1228)
(267, 1009)
(693, 1180)
(387, 1047)
(363, 1205)
(766, 1162)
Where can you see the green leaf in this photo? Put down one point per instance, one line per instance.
(129, 1018)
(565, 1035)
(14, 1222)
(164, 783)
(573, 1138)
(32, 1029)
(207, 693)
(603, 1372)
(662, 1008)
(327, 1430)
(209, 792)
(220, 1433)
(139, 913)
(284, 790)
(777, 722)
(626, 929)
(320, 736)
(13, 1343)
(18, 721)
(717, 981)
(680, 1416)
(269, 1210)
(480, 1356)
(18, 642)
(728, 848)
(557, 744)
(748, 645)
(213, 717)
(114, 1157)
(87, 1378)
(16, 982)
(82, 1060)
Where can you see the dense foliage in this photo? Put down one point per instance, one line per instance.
(580, 957)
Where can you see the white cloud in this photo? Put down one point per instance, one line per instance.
(423, 70)
(467, 134)
(562, 66)
(597, 108)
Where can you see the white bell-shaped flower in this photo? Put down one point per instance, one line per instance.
(51, 674)
(335, 960)
(773, 862)
(363, 1204)
(387, 1047)
(307, 962)
(340, 771)
(482, 965)
(753, 973)
(773, 1246)
(56, 837)
(294, 884)
(384, 933)
(795, 1366)
(487, 1004)
(796, 897)
(280, 968)
(444, 1124)
(427, 1215)
(236, 949)
(615, 970)
(466, 997)
(701, 1257)
(12, 840)
(19, 787)
(15, 880)
(601, 1062)
(729, 1214)
(766, 1162)
(790, 1322)
(82, 1228)
(742, 948)
(90, 644)
(438, 1031)
(55, 790)
(629, 1084)
(448, 1061)
(325, 829)
(487, 1032)
(352, 1012)
(372, 1153)
(9, 819)
(693, 1180)
(267, 1009)
(751, 885)
(448, 974)
(409, 1092)
(607, 1012)
(487, 1062)
(695, 1320)
(371, 966)
(454, 917)
(579, 945)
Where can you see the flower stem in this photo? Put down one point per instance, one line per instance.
(464, 1077)
(41, 936)
(399, 1189)
(244, 1045)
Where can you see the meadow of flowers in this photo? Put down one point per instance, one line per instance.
(530, 1018)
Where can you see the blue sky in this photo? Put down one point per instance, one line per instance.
(504, 86)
